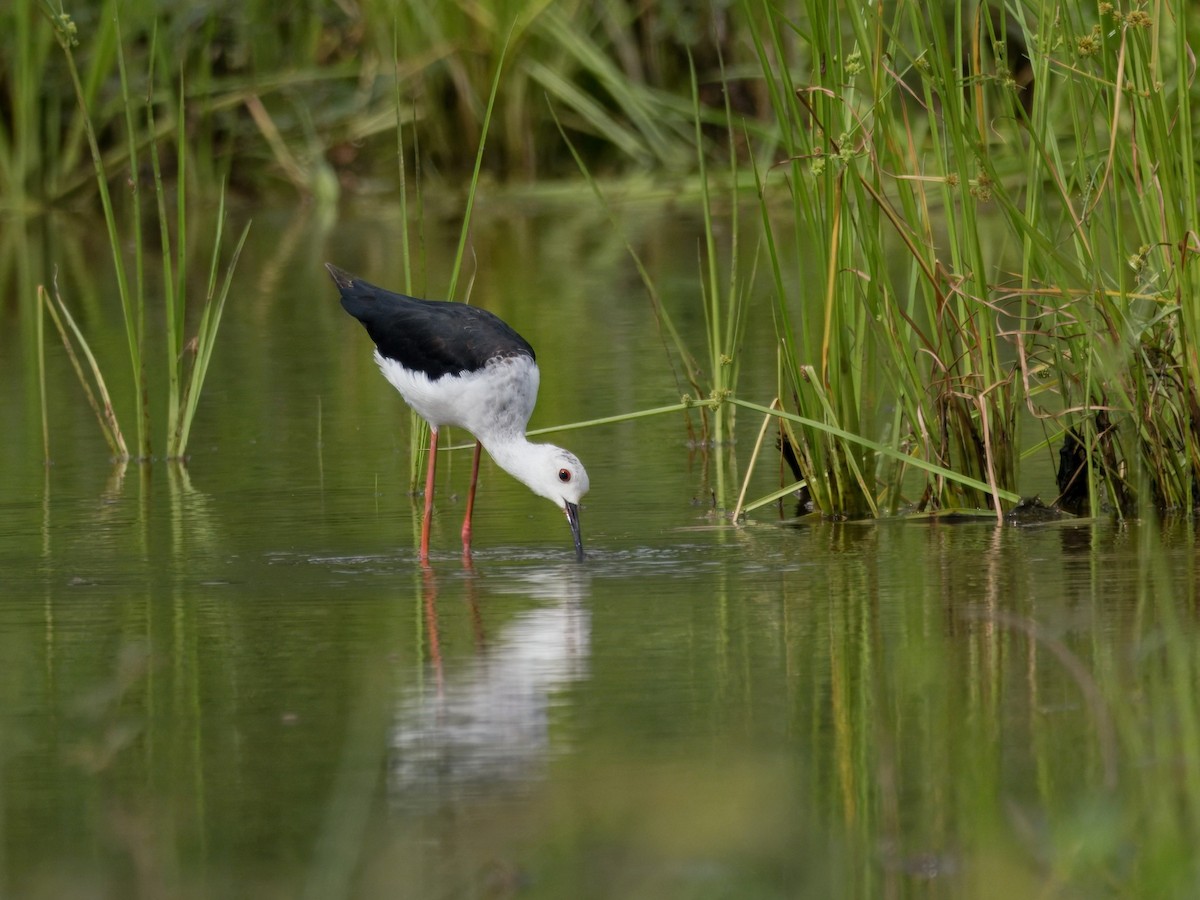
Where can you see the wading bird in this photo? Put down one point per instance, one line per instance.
(462, 366)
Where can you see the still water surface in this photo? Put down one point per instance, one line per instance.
(234, 681)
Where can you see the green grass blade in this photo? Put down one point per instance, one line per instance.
(470, 206)
(133, 306)
(210, 323)
(101, 405)
(883, 449)
(64, 31)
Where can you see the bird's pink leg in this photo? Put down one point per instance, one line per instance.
(429, 473)
(466, 529)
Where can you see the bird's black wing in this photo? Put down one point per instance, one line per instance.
(430, 336)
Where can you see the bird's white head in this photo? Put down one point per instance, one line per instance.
(560, 475)
(553, 473)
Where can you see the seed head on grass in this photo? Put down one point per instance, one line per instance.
(1090, 44)
(981, 187)
(67, 31)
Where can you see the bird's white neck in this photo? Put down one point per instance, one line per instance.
(518, 456)
(548, 471)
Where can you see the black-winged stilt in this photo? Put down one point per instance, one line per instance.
(462, 366)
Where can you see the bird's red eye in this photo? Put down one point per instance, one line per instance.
(564, 475)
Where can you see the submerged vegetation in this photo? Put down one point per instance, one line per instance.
(974, 223)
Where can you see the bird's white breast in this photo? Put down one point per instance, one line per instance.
(495, 400)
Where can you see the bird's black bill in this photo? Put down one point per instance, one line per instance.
(572, 511)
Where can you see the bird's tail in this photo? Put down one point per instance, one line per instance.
(341, 277)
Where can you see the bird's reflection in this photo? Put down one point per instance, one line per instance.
(486, 725)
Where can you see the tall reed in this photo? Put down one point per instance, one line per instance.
(813, 336)
(979, 214)
(1110, 310)
(886, 179)
(723, 299)
(185, 382)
